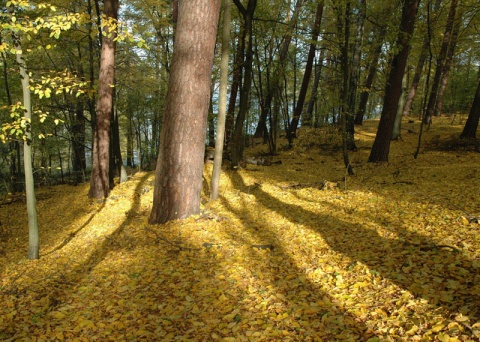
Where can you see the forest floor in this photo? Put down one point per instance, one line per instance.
(290, 252)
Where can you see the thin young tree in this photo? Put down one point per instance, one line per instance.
(99, 182)
(33, 235)
(470, 129)
(178, 178)
(222, 102)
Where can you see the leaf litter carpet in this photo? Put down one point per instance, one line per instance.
(390, 254)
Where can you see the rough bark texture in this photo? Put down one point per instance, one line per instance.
(99, 182)
(470, 129)
(393, 89)
(178, 178)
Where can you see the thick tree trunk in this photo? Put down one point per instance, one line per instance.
(292, 131)
(178, 179)
(99, 182)
(393, 89)
(222, 102)
(434, 92)
(470, 129)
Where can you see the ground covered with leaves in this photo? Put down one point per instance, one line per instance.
(294, 251)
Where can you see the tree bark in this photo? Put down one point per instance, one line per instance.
(222, 102)
(33, 235)
(292, 131)
(393, 88)
(99, 182)
(178, 178)
(237, 139)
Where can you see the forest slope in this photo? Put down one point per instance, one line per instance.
(392, 253)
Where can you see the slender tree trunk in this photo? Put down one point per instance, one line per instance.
(222, 102)
(99, 182)
(308, 119)
(116, 160)
(178, 180)
(33, 235)
(238, 140)
(236, 80)
(393, 89)
(397, 126)
(432, 100)
(278, 75)
(79, 164)
(292, 131)
(470, 129)
(372, 71)
(447, 66)
(130, 140)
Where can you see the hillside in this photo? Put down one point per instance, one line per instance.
(292, 252)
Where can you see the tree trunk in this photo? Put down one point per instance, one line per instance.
(393, 88)
(178, 178)
(470, 129)
(308, 119)
(99, 182)
(292, 132)
(116, 160)
(397, 126)
(222, 102)
(372, 71)
(236, 79)
(432, 100)
(79, 164)
(447, 66)
(33, 236)
(237, 139)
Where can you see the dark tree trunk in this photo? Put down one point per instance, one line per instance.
(372, 71)
(99, 182)
(178, 180)
(130, 140)
(116, 161)
(236, 79)
(292, 131)
(470, 129)
(393, 88)
(237, 139)
(308, 118)
(447, 66)
(432, 100)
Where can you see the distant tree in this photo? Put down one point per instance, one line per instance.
(393, 88)
(178, 179)
(99, 182)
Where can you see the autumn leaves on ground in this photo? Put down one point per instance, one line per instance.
(390, 254)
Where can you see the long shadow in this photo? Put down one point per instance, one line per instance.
(443, 276)
(286, 278)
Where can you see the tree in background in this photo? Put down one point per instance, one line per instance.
(470, 129)
(99, 182)
(178, 178)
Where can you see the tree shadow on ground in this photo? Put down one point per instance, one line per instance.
(441, 275)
